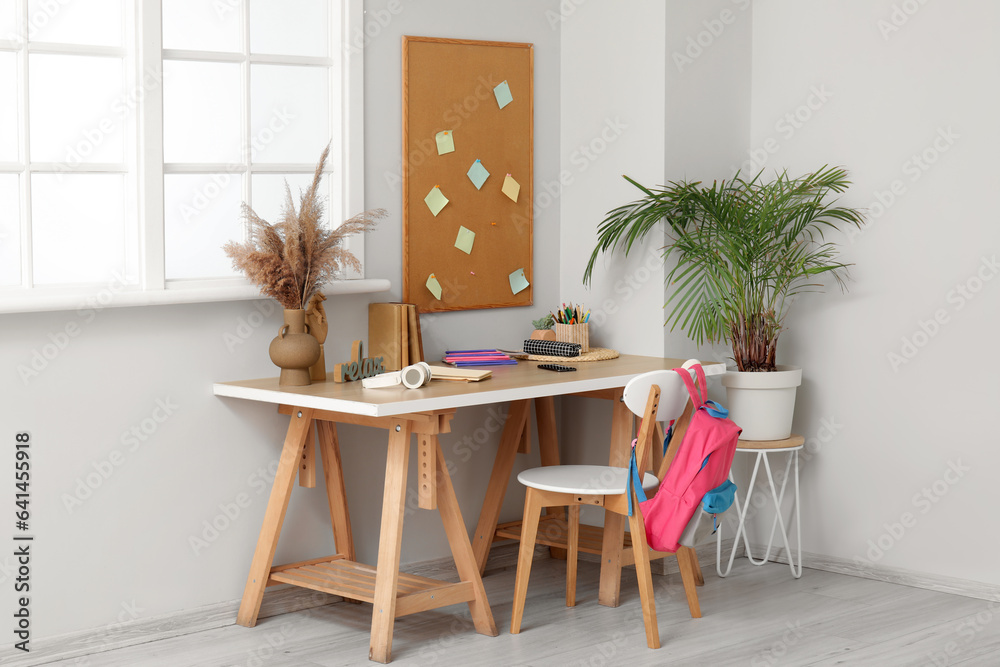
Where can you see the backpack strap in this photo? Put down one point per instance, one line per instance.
(634, 481)
(697, 399)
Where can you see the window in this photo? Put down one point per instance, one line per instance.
(131, 132)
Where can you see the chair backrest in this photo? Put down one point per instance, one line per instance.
(673, 394)
(672, 400)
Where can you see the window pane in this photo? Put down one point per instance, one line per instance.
(8, 20)
(289, 28)
(199, 25)
(202, 213)
(8, 107)
(78, 228)
(268, 191)
(201, 112)
(10, 231)
(92, 22)
(289, 113)
(77, 111)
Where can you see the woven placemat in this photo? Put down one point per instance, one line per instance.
(595, 354)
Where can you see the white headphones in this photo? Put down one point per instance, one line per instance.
(410, 377)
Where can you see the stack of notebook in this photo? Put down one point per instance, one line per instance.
(394, 334)
(462, 358)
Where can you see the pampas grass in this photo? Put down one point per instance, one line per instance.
(293, 258)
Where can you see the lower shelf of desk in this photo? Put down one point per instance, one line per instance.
(356, 581)
(553, 531)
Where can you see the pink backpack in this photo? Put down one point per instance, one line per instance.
(702, 463)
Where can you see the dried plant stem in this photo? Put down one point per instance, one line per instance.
(293, 258)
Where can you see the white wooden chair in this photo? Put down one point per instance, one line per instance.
(658, 396)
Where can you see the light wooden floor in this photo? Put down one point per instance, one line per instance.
(757, 616)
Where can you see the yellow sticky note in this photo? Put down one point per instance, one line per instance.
(466, 237)
(511, 188)
(435, 200)
(445, 142)
(434, 286)
(517, 281)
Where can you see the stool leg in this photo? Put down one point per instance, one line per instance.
(529, 529)
(573, 545)
(778, 519)
(798, 520)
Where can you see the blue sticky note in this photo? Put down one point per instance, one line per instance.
(478, 174)
(517, 281)
(502, 92)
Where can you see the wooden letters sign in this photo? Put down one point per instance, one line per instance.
(357, 368)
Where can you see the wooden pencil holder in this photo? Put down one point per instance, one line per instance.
(574, 333)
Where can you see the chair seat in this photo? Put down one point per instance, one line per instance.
(598, 480)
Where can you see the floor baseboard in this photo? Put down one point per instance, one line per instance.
(888, 574)
(140, 631)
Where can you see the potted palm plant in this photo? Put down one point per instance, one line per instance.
(743, 251)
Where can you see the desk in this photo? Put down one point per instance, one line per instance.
(426, 412)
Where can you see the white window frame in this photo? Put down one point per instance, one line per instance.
(347, 119)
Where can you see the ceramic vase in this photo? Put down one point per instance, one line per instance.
(294, 350)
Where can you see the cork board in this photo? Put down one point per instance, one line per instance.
(448, 86)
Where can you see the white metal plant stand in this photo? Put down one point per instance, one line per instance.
(762, 449)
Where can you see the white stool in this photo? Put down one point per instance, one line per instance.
(762, 448)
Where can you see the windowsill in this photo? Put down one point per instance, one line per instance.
(41, 301)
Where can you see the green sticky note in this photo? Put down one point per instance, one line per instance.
(478, 174)
(434, 286)
(502, 93)
(517, 281)
(466, 237)
(435, 200)
(511, 187)
(445, 142)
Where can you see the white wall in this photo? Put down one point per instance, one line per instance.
(886, 101)
(128, 543)
(707, 115)
(612, 124)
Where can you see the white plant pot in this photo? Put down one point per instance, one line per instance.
(762, 404)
